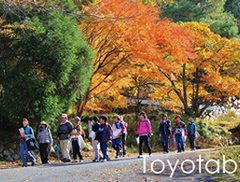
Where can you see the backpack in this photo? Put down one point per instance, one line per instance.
(178, 131)
(31, 144)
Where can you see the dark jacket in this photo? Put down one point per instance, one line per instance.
(104, 133)
(165, 128)
(191, 129)
(95, 126)
(64, 130)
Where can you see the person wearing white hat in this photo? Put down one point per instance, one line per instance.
(76, 139)
(45, 141)
(64, 134)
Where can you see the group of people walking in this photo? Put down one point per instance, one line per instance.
(178, 132)
(71, 135)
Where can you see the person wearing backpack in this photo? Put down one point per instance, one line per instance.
(192, 133)
(118, 129)
(45, 141)
(25, 133)
(104, 135)
(165, 132)
(144, 132)
(75, 136)
(179, 131)
(64, 134)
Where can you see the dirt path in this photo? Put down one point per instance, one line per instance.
(126, 169)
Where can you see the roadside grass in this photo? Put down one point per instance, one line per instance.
(230, 153)
(227, 120)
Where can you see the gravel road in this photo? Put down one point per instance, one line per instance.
(123, 169)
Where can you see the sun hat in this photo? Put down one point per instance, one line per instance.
(64, 115)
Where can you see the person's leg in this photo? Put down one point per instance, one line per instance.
(79, 152)
(22, 154)
(46, 149)
(163, 146)
(192, 142)
(163, 140)
(67, 143)
(140, 145)
(177, 137)
(146, 141)
(99, 156)
(62, 149)
(118, 146)
(95, 149)
(167, 144)
(124, 143)
(114, 146)
(41, 152)
(182, 144)
(103, 146)
(74, 149)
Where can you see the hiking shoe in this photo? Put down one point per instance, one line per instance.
(95, 160)
(66, 160)
(33, 163)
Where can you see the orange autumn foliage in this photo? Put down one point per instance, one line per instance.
(183, 58)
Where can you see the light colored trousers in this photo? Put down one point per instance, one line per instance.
(96, 147)
(65, 148)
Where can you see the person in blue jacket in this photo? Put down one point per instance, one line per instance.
(104, 135)
(192, 133)
(25, 133)
(165, 132)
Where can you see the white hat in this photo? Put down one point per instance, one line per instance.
(64, 115)
(43, 123)
(77, 119)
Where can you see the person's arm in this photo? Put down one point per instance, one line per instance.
(149, 127)
(137, 129)
(110, 131)
(159, 129)
(195, 131)
(50, 137)
(70, 128)
(76, 131)
(122, 129)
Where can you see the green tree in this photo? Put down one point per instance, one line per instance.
(211, 12)
(233, 6)
(45, 63)
(183, 10)
(221, 22)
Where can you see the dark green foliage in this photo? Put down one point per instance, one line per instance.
(211, 12)
(233, 6)
(44, 67)
(183, 10)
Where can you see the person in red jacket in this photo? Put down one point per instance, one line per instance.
(144, 131)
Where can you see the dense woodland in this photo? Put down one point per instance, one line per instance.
(87, 56)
